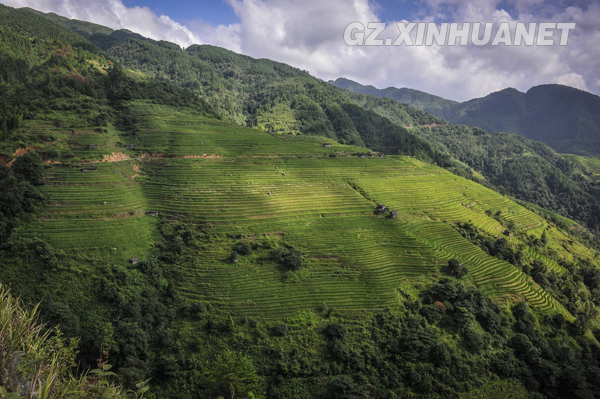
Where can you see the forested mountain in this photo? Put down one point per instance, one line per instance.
(427, 102)
(565, 118)
(207, 258)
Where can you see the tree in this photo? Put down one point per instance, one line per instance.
(456, 268)
(336, 331)
(29, 167)
(243, 248)
(294, 260)
(232, 375)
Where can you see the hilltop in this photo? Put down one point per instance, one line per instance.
(224, 238)
(563, 117)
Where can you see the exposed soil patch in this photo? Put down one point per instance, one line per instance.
(115, 157)
(205, 156)
(23, 151)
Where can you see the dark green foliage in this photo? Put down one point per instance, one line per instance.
(335, 331)
(231, 375)
(243, 248)
(289, 258)
(381, 134)
(293, 260)
(29, 167)
(456, 268)
(19, 196)
(280, 330)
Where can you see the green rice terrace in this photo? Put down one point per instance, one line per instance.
(274, 190)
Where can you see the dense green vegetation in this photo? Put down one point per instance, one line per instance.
(37, 362)
(226, 261)
(20, 194)
(528, 170)
(563, 117)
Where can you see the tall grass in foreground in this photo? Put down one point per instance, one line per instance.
(37, 363)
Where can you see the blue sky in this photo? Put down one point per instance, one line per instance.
(215, 12)
(308, 34)
(219, 12)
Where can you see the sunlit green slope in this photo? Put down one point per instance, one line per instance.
(282, 189)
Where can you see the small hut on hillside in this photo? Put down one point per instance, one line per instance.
(393, 214)
(92, 146)
(381, 209)
(134, 261)
(327, 145)
(131, 146)
(89, 169)
(151, 213)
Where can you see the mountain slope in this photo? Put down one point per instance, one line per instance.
(565, 118)
(226, 261)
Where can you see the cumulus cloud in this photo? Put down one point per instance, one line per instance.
(308, 34)
(572, 79)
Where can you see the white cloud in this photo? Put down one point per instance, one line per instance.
(308, 34)
(572, 79)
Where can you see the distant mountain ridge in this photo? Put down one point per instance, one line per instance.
(427, 102)
(565, 118)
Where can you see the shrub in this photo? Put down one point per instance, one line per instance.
(243, 248)
(336, 331)
(280, 330)
(294, 261)
(29, 167)
(38, 363)
(456, 268)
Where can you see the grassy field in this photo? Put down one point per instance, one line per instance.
(591, 163)
(275, 190)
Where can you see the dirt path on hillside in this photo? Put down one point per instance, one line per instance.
(115, 157)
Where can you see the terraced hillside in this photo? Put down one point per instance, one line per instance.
(591, 163)
(275, 190)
